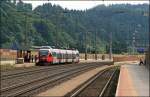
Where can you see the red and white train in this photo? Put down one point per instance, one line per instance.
(48, 55)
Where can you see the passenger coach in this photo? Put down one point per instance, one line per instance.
(48, 55)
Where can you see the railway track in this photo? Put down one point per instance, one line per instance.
(25, 71)
(29, 87)
(34, 74)
(21, 71)
(95, 86)
(9, 79)
(29, 70)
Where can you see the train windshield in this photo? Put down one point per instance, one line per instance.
(43, 52)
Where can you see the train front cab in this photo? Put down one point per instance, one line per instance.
(45, 57)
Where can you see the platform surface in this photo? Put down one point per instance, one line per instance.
(133, 81)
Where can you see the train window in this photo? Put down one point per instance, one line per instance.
(61, 55)
(50, 54)
(54, 54)
(73, 56)
(58, 55)
(43, 52)
(77, 55)
(66, 56)
(69, 56)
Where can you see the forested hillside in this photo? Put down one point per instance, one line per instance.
(21, 26)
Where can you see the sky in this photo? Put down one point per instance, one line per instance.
(81, 5)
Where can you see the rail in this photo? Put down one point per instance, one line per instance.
(17, 90)
(107, 84)
(82, 88)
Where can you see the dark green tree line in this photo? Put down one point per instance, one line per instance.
(52, 25)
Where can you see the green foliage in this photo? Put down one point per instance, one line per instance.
(52, 25)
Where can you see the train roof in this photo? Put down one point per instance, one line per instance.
(53, 48)
(46, 47)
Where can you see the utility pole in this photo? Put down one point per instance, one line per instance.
(110, 35)
(86, 45)
(82, 42)
(25, 43)
(25, 46)
(57, 30)
(110, 41)
(95, 45)
(128, 42)
(133, 43)
(110, 45)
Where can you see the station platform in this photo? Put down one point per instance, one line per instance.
(133, 81)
